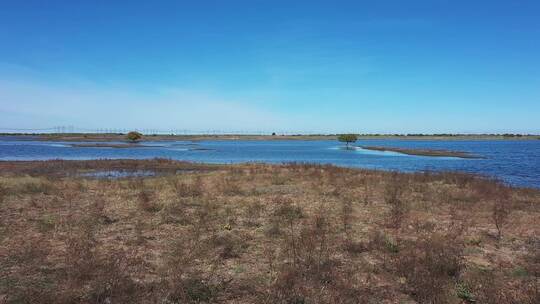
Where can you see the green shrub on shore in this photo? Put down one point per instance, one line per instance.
(134, 136)
(348, 138)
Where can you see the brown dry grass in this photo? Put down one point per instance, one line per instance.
(257, 233)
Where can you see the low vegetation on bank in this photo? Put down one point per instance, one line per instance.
(257, 233)
(423, 152)
(110, 145)
(105, 137)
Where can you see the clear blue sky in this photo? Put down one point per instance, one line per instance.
(332, 66)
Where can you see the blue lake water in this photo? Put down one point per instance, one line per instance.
(514, 161)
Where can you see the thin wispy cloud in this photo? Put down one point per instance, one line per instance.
(94, 106)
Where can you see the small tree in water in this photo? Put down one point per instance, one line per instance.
(348, 138)
(134, 136)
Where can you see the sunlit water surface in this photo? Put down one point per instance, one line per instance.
(514, 161)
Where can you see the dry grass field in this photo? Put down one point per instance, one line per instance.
(256, 233)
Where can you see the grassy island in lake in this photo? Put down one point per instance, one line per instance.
(109, 145)
(423, 152)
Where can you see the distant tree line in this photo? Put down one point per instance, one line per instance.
(510, 135)
(447, 134)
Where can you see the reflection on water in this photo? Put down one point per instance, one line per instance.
(115, 174)
(516, 162)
